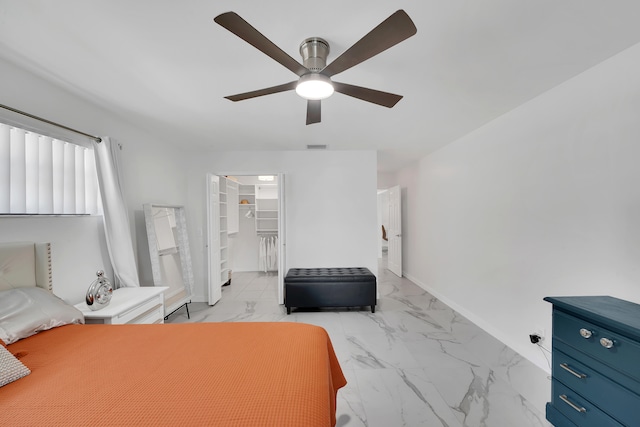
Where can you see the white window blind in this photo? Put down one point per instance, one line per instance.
(46, 176)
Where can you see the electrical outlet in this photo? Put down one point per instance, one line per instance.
(540, 331)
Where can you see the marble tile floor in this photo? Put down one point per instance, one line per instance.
(415, 362)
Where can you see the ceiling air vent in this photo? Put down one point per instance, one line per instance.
(316, 146)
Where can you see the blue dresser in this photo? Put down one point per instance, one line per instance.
(596, 362)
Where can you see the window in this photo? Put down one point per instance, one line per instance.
(40, 175)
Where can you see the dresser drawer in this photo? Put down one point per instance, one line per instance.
(617, 401)
(590, 339)
(578, 409)
(556, 418)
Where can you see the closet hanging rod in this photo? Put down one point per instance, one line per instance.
(95, 138)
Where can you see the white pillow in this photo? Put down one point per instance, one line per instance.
(27, 311)
(11, 369)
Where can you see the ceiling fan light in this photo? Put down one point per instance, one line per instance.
(314, 86)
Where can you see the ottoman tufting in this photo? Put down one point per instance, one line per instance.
(330, 287)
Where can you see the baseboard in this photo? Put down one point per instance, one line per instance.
(481, 323)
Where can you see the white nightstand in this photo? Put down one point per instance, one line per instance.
(129, 305)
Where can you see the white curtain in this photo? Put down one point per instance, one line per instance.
(116, 218)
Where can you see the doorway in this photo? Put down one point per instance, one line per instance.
(390, 228)
(246, 228)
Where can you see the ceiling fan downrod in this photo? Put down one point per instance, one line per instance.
(314, 51)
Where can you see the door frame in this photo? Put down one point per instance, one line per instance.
(394, 234)
(282, 244)
(282, 240)
(213, 229)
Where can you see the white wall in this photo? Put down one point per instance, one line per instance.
(243, 246)
(542, 201)
(330, 201)
(153, 172)
(78, 249)
(386, 180)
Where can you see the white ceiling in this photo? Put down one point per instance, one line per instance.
(165, 65)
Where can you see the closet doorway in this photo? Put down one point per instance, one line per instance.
(245, 228)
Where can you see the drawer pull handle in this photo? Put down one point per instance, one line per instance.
(585, 333)
(566, 400)
(571, 371)
(606, 342)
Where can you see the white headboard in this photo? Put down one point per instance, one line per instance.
(25, 264)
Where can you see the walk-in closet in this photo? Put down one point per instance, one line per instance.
(243, 226)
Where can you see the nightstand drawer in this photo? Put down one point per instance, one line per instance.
(600, 343)
(140, 312)
(129, 305)
(619, 402)
(578, 409)
(156, 315)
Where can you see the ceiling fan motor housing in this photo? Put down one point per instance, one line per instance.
(314, 53)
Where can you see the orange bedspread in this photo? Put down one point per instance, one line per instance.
(201, 374)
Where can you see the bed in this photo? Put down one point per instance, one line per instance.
(213, 374)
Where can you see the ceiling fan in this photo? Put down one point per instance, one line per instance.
(314, 82)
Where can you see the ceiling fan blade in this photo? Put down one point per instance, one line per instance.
(313, 111)
(385, 99)
(390, 32)
(261, 92)
(241, 28)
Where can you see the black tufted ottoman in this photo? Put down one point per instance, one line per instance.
(330, 287)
